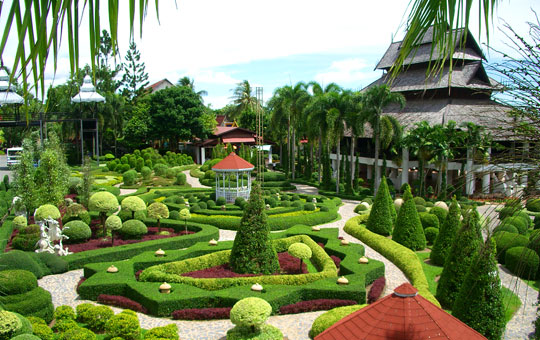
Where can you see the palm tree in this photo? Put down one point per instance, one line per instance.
(419, 141)
(243, 100)
(190, 82)
(391, 134)
(375, 100)
(445, 139)
(355, 123)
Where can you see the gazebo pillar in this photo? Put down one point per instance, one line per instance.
(486, 178)
(469, 175)
(404, 166)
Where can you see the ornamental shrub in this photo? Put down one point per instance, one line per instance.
(133, 229)
(17, 281)
(123, 325)
(221, 201)
(25, 242)
(83, 311)
(64, 325)
(76, 211)
(253, 251)
(158, 211)
(26, 337)
(523, 262)
(170, 173)
(431, 235)
(421, 208)
(419, 201)
(129, 177)
(506, 227)
(464, 246)
(17, 259)
(64, 312)
(43, 331)
(104, 202)
(181, 179)
(239, 201)
(408, 230)
(165, 332)
(20, 222)
(77, 231)
(505, 240)
(133, 204)
(517, 222)
(251, 312)
(428, 220)
(533, 205)
(440, 212)
(47, 211)
(479, 303)
(359, 208)
(300, 251)
(380, 218)
(524, 217)
(326, 320)
(146, 173)
(309, 207)
(121, 302)
(97, 317)
(506, 212)
(202, 313)
(9, 324)
(78, 333)
(377, 289)
(447, 232)
(160, 169)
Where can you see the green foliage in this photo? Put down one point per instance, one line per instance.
(380, 218)
(27, 337)
(181, 179)
(523, 262)
(431, 234)
(64, 325)
(300, 251)
(252, 251)
(129, 177)
(447, 232)
(517, 222)
(133, 204)
(83, 312)
(408, 230)
(421, 208)
(265, 332)
(327, 319)
(440, 213)
(46, 211)
(123, 325)
(309, 207)
(533, 205)
(250, 312)
(19, 222)
(17, 281)
(113, 223)
(43, 331)
(221, 201)
(158, 211)
(78, 333)
(133, 229)
(98, 317)
(56, 264)
(419, 201)
(104, 202)
(428, 220)
(10, 324)
(505, 240)
(359, 208)
(77, 231)
(76, 211)
(506, 227)
(17, 259)
(479, 303)
(36, 302)
(165, 332)
(64, 312)
(146, 172)
(464, 246)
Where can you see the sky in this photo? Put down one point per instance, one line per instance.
(270, 43)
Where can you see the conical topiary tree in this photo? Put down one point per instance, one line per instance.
(380, 218)
(253, 251)
(479, 303)
(456, 264)
(393, 211)
(408, 230)
(448, 231)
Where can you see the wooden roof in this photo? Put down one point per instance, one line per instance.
(403, 315)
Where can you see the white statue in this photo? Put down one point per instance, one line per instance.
(50, 233)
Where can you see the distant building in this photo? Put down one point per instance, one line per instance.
(463, 96)
(160, 85)
(223, 121)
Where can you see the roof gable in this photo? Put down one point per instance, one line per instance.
(233, 162)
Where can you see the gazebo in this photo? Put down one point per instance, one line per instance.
(401, 315)
(7, 96)
(233, 165)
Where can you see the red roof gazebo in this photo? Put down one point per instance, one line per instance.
(403, 315)
(233, 165)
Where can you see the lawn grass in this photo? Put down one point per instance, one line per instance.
(511, 301)
(534, 284)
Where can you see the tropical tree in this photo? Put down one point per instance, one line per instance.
(445, 141)
(243, 100)
(135, 78)
(355, 123)
(419, 142)
(376, 99)
(190, 82)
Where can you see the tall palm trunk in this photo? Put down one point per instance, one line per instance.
(353, 142)
(293, 154)
(320, 156)
(338, 160)
(377, 179)
(289, 144)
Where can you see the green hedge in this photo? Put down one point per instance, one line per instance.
(324, 321)
(523, 262)
(505, 240)
(404, 258)
(36, 302)
(5, 233)
(203, 233)
(188, 296)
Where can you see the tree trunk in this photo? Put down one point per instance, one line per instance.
(293, 154)
(289, 144)
(320, 155)
(377, 178)
(338, 154)
(353, 140)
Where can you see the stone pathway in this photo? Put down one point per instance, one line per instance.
(295, 326)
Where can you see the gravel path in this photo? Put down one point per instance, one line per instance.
(296, 327)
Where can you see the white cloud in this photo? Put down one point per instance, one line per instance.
(347, 71)
(209, 76)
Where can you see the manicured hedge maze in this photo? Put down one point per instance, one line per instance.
(279, 291)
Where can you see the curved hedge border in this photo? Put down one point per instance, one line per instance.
(5, 233)
(184, 296)
(404, 258)
(203, 232)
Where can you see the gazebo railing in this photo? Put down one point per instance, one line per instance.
(231, 194)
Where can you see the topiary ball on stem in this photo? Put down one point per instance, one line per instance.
(114, 224)
(104, 202)
(158, 211)
(300, 251)
(133, 204)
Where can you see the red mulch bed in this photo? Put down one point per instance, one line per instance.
(288, 264)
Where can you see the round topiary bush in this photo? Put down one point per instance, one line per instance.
(17, 259)
(160, 169)
(419, 201)
(525, 217)
(133, 204)
(47, 211)
(78, 333)
(9, 324)
(17, 281)
(239, 201)
(129, 177)
(64, 312)
(506, 227)
(165, 332)
(505, 240)
(221, 201)
(251, 313)
(97, 317)
(507, 211)
(517, 222)
(523, 262)
(27, 337)
(181, 179)
(440, 212)
(76, 211)
(429, 220)
(146, 172)
(133, 229)
(113, 223)
(359, 208)
(309, 207)
(533, 205)
(43, 331)
(300, 251)
(421, 208)
(123, 325)
(77, 231)
(297, 204)
(20, 222)
(64, 325)
(324, 321)
(104, 202)
(431, 234)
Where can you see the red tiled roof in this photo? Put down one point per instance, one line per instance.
(233, 162)
(400, 316)
(222, 129)
(239, 140)
(156, 84)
